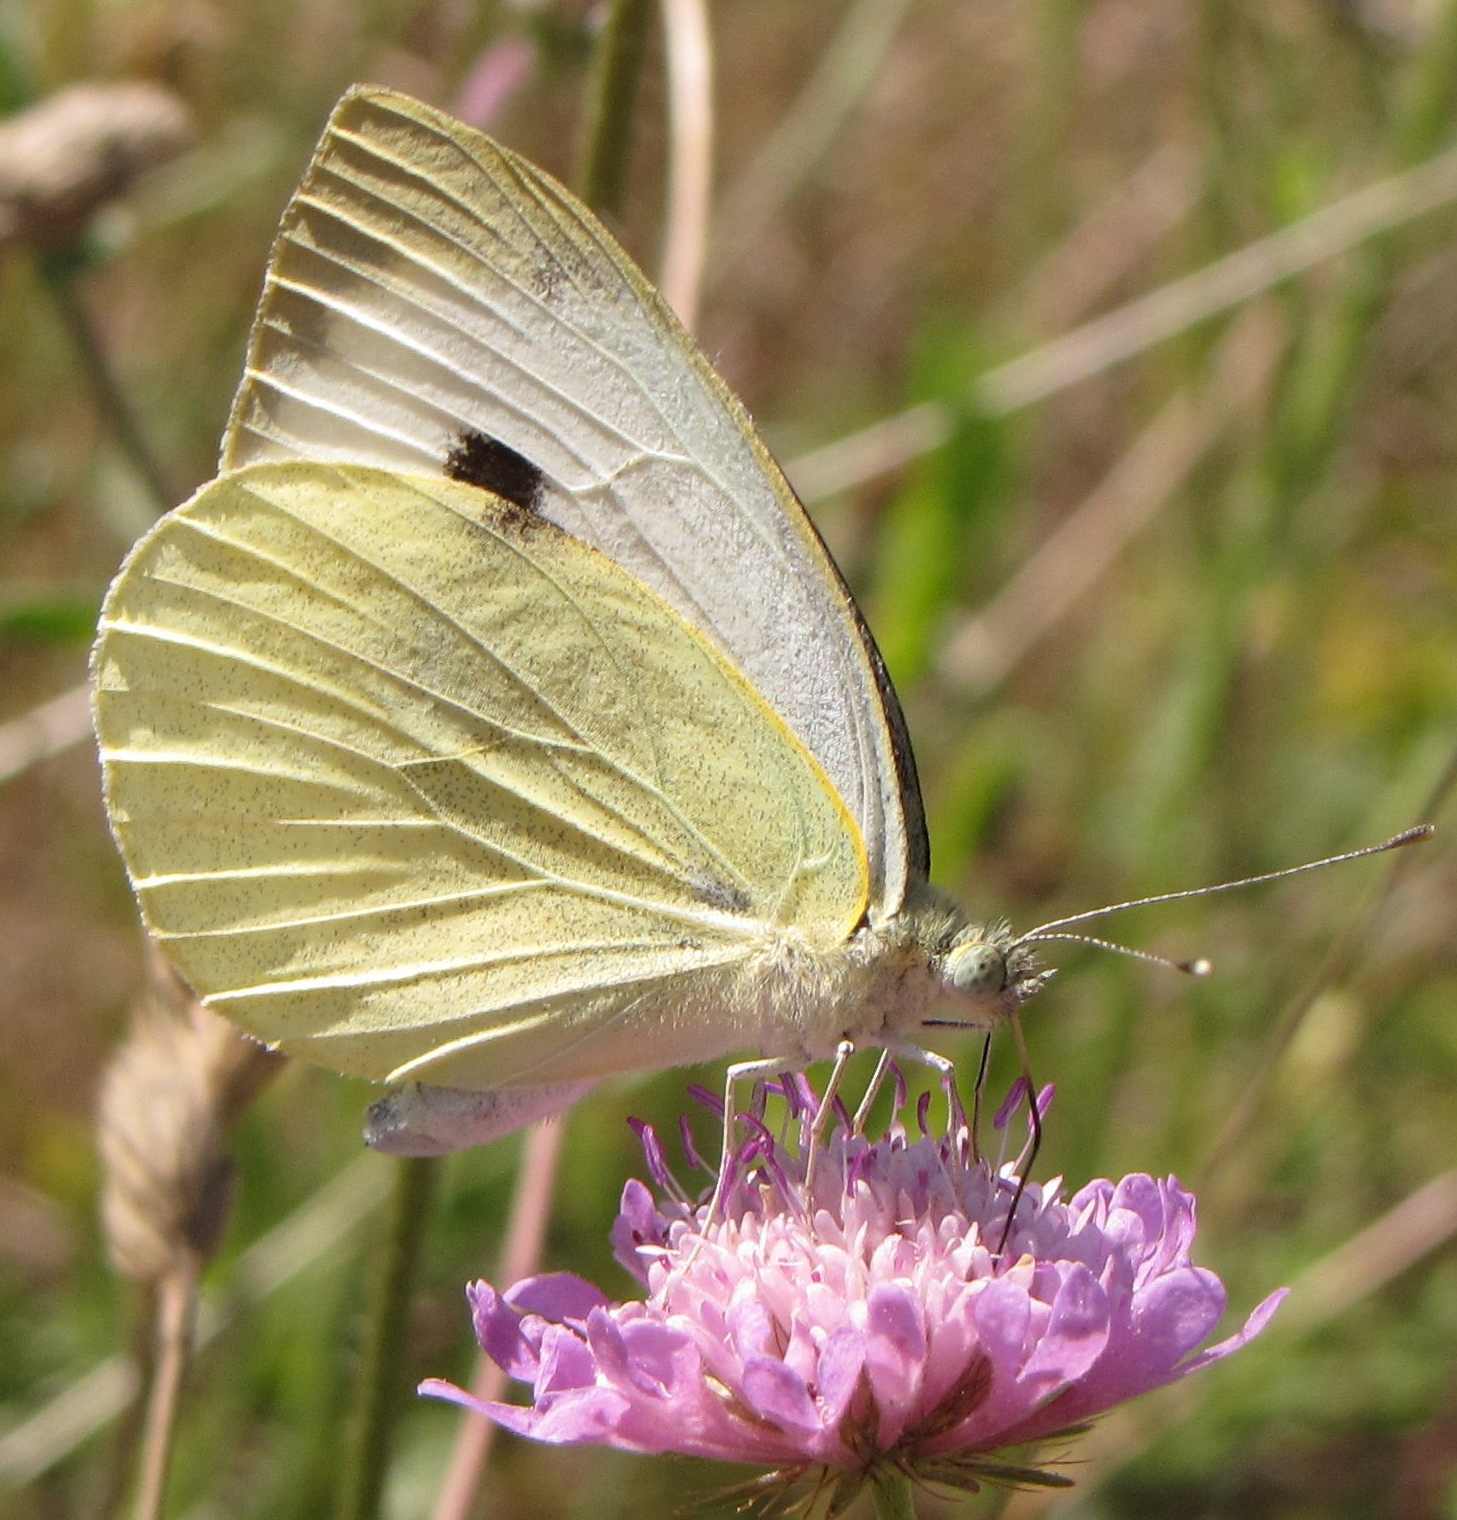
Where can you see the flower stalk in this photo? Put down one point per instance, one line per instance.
(892, 1496)
(378, 1382)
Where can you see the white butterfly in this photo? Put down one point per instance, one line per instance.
(496, 720)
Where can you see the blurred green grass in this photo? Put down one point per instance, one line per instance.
(1267, 670)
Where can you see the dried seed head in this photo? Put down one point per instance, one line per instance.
(166, 1101)
(65, 157)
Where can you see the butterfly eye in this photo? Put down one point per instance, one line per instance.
(979, 970)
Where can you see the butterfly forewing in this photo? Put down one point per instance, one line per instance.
(414, 783)
(430, 294)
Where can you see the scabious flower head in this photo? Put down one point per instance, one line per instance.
(868, 1323)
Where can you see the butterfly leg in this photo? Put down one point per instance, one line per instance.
(872, 1092)
(739, 1071)
(945, 1068)
(823, 1114)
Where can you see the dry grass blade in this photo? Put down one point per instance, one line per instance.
(1413, 1230)
(690, 169)
(1114, 239)
(309, 1235)
(986, 647)
(1228, 282)
(47, 730)
(525, 1232)
(1138, 325)
(808, 130)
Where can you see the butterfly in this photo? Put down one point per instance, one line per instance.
(496, 720)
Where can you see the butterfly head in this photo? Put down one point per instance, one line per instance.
(990, 972)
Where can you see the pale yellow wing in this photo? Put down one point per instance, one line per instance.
(412, 783)
(430, 289)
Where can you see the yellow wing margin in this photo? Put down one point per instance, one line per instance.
(408, 781)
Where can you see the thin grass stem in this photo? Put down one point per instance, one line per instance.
(380, 1384)
(1131, 329)
(111, 399)
(525, 1233)
(611, 103)
(848, 65)
(176, 1306)
(690, 165)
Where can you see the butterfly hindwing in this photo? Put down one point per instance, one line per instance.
(412, 782)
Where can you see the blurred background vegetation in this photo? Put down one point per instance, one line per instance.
(1173, 602)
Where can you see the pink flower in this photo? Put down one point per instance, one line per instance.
(872, 1324)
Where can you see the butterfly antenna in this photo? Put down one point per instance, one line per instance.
(1044, 931)
(1198, 967)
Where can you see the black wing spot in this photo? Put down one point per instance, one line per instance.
(477, 460)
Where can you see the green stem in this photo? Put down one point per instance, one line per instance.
(381, 1360)
(1321, 392)
(1426, 117)
(893, 1497)
(110, 398)
(610, 106)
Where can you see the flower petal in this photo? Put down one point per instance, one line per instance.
(750, 1324)
(661, 1357)
(777, 1394)
(1260, 1316)
(452, 1393)
(638, 1223)
(895, 1355)
(498, 1329)
(840, 1366)
(566, 1363)
(1076, 1333)
(1173, 1315)
(1002, 1314)
(587, 1415)
(557, 1296)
